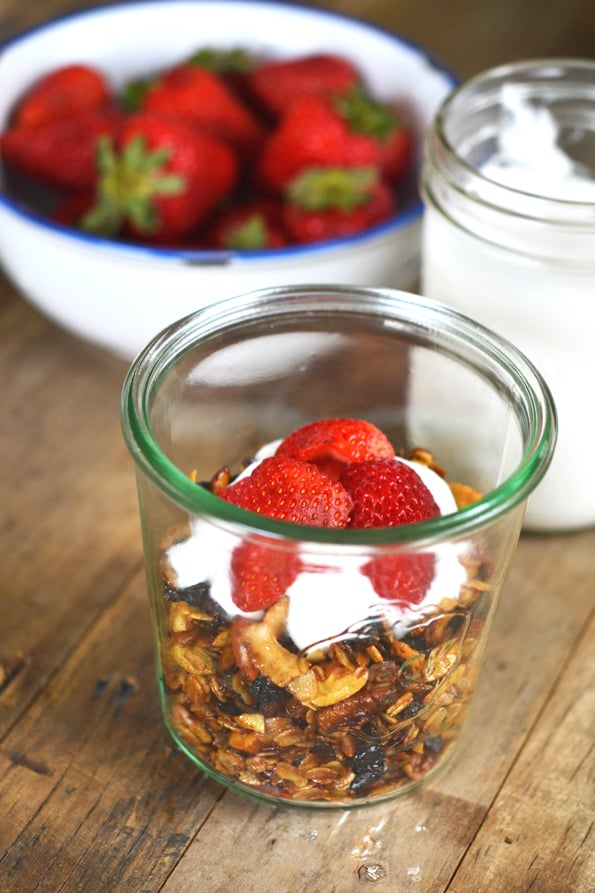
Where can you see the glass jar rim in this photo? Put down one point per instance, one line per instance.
(428, 318)
(468, 179)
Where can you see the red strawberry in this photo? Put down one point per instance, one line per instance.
(73, 208)
(331, 444)
(387, 492)
(200, 97)
(275, 85)
(404, 577)
(323, 132)
(332, 203)
(310, 134)
(261, 574)
(231, 65)
(248, 226)
(396, 155)
(291, 491)
(63, 91)
(162, 179)
(60, 151)
(380, 124)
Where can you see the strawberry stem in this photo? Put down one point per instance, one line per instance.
(366, 115)
(128, 184)
(321, 189)
(250, 235)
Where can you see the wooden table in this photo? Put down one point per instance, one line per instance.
(94, 797)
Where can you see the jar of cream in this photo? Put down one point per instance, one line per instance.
(509, 239)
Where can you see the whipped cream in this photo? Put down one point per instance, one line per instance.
(529, 158)
(331, 597)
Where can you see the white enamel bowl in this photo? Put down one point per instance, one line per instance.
(118, 295)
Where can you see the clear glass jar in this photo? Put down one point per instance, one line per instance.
(333, 696)
(509, 239)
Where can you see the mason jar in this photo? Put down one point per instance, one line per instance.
(338, 693)
(509, 239)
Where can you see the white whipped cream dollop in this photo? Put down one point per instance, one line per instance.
(331, 595)
(529, 158)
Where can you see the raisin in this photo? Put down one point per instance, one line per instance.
(410, 710)
(415, 641)
(230, 708)
(369, 765)
(287, 642)
(323, 752)
(193, 595)
(434, 744)
(269, 698)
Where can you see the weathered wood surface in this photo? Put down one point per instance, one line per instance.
(93, 796)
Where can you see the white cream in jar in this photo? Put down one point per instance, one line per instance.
(509, 239)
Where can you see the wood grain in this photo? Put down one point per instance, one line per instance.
(71, 486)
(90, 784)
(539, 832)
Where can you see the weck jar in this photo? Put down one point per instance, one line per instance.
(333, 695)
(509, 239)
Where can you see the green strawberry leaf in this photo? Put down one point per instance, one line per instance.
(102, 220)
(234, 61)
(365, 115)
(250, 235)
(129, 182)
(142, 213)
(171, 184)
(131, 97)
(323, 189)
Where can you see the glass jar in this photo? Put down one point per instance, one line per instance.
(333, 695)
(509, 239)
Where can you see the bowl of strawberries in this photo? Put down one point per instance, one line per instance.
(162, 155)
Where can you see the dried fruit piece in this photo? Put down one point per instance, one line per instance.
(257, 649)
(338, 685)
(369, 765)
